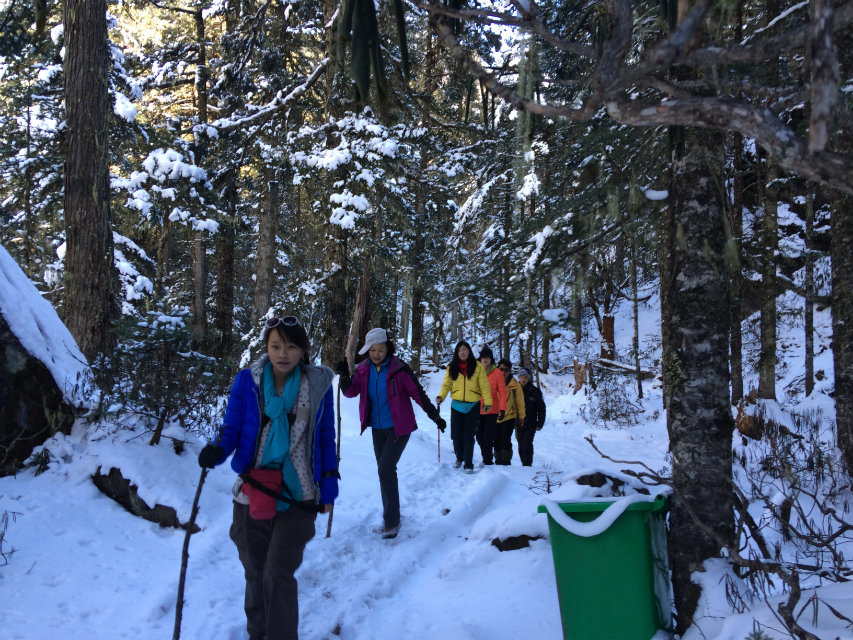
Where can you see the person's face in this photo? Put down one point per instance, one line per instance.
(378, 353)
(463, 352)
(523, 380)
(506, 371)
(284, 354)
(486, 361)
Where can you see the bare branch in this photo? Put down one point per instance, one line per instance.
(787, 148)
(277, 105)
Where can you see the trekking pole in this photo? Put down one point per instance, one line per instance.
(332, 510)
(439, 445)
(185, 555)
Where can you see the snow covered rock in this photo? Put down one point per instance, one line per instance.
(44, 379)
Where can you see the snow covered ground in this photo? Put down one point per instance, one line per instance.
(84, 568)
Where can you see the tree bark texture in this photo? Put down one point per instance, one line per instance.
(808, 305)
(361, 312)
(842, 322)
(696, 372)
(224, 300)
(736, 299)
(545, 357)
(199, 288)
(89, 274)
(265, 269)
(335, 319)
(770, 234)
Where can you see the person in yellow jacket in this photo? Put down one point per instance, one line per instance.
(489, 419)
(514, 416)
(466, 381)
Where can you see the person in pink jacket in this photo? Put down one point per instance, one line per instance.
(386, 387)
(490, 417)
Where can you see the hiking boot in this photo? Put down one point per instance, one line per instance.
(390, 532)
(457, 464)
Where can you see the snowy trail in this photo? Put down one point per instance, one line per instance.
(106, 574)
(383, 569)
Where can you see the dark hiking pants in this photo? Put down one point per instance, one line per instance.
(463, 428)
(503, 441)
(388, 449)
(524, 435)
(486, 436)
(271, 551)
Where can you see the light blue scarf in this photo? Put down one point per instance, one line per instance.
(277, 448)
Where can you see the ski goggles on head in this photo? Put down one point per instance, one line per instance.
(287, 321)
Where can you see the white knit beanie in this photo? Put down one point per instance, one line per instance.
(374, 336)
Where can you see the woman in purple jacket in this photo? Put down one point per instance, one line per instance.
(386, 387)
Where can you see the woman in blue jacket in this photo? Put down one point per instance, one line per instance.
(279, 424)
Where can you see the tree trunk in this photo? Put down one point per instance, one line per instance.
(361, 312)
(406, 314)
(417, 318)
(224, 302)
(199, 306)
(842, 322)
(265, 270)
(545, 357)
(808, 305)
(770, 241)
(199, 330)
(696, 373)
(608, 337)
(456, 330)
(89, 274)
(635, 304)
(735, 274)
(335, 318)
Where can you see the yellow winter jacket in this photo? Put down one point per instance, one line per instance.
(465, 389)
(514, 402)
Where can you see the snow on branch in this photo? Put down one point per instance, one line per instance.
(278, 104)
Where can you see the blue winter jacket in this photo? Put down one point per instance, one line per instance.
(239, 431)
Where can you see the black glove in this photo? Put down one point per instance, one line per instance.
(501, 414)
(342, 368)
(210, 455)
(441, 423)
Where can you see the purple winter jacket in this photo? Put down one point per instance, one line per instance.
(402, 389)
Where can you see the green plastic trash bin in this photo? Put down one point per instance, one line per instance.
(611, 567)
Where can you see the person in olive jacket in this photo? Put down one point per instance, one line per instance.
(514, 416)
(534, 404)
(467, 383)
(386, 387)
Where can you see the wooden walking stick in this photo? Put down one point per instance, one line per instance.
(332, 510)
(185, 555)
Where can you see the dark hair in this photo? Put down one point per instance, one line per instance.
(486, 352)
(453, 368)
(391, 348)
(506, 362)
(294, 333)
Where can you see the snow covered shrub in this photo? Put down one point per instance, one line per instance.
(159, 380)
(612, 402)
(793, 503)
